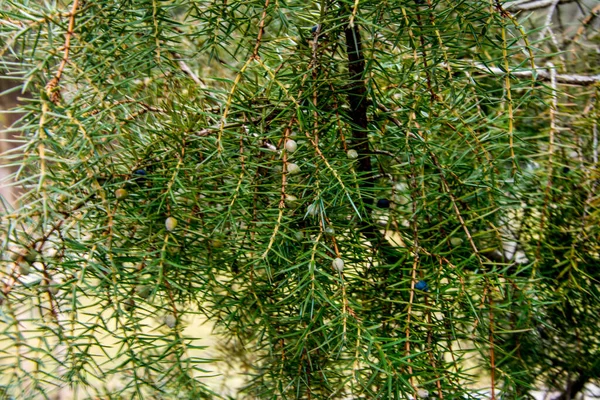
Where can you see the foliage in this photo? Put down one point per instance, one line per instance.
(159, 181)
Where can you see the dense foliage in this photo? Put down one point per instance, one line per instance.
(375, 199)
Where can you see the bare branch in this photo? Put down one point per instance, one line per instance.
(533, 5)
(541, 75)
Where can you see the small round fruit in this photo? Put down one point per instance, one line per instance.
(291, 146)
(422, 394)
(299, 235)
(121, 194)
(422, 285)
(14, 255)
(383, 203)
(53, 287)
(338, 264)
(352, 154)
(129, 304)
(31, 256)
(139, 175)
(313, 209)
(290, 199)
(329, 231)
(143, 291)
(24, 269)
(170, 320)
(216, 243)
(170, 224)
(293, 168)
(456, 241)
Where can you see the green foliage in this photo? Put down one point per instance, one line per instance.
(157, 185)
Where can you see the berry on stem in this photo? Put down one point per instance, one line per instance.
(456, 241)
(422, 285)
(170, 320)
(293, 168)
(338, 264)
(383, 203)
(170, 224)
(121, 194)
(31, 256)
(291, 146)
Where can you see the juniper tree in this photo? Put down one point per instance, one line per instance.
(376, 199)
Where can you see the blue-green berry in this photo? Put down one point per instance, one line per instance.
(422, 285)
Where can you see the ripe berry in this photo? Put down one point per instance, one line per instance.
(383, 203)
(139, 175)
(314, 29)
(121, 194)
(170, 224)
(422, 285)
(291, 146)
(338, 264)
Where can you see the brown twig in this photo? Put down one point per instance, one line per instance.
(261, 30)
(52, 86)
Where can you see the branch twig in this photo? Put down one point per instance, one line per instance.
(50, 87)
(541, 75)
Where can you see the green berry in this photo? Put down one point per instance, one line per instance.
(121, 194)
(299, 235)
(143, 291)
(31, 256)
(352, 154)
(291, 146)
(170, 224)
(53, 287)
(290, 199)
(129, 304)
(216, 243)
(329, 231)
(293, 168)
(14, 255)
(24, 269)
(170, 320)
(338, 264)
(456, 241)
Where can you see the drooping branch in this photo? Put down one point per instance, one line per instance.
(357, 98)
(574, 387)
